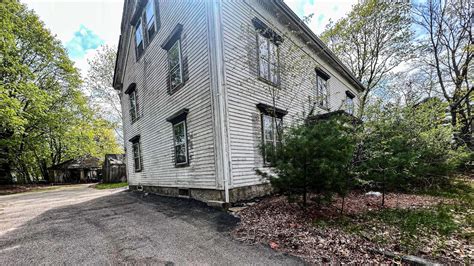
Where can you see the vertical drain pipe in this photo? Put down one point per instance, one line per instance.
(219, 94)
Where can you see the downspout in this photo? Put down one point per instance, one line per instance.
(219, 95)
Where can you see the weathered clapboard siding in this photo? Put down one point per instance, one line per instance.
(155, 104)
(245, 91)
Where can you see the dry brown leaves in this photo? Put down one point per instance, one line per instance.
(289, 228)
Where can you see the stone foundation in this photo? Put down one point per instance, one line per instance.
(235, 194)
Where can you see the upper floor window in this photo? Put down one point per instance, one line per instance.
(268, 42)
(322, 89)
(150, 16)
(176, 68)
(139, 44)
(268, 60)
(180, 137)
(137, 154)
(349, 103)
(272, 130)
(146, 25)
(175, 65)
(133, 102)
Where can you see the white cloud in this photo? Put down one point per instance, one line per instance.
(323, 11)
(64, 17)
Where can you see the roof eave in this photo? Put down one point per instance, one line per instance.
(309, 33)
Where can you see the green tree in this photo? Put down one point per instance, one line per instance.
(313, 157)
(99, 84)
(372, 40)
(447, 48)
(408, 147)
(41, 106)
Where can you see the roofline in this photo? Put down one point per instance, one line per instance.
(309, 33)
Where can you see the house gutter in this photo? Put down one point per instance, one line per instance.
(320, 44)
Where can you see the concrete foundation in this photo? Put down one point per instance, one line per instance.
(206, 195)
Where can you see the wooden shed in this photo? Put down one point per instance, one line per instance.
(83, 169)
(114, 168)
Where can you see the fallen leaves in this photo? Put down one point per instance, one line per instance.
(306, 233)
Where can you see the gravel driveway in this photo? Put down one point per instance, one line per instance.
(81, 225)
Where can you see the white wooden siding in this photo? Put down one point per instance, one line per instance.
(245, 91)
(155, 104)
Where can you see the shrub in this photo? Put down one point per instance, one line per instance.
(312, 157)
(408, 147)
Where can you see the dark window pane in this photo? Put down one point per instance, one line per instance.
(180, 151)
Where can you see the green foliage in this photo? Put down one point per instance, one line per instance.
(410, 222)
(44, 118)
(313, 157)
(372, 40)
(408, 147)
(111, 185)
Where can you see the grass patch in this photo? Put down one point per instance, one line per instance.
(409, 226)
(111, 185)
(413, 221)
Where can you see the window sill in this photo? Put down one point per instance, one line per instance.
(177, 88)
(135, 120)
(181, 165)
(323, 107)
(268, 82)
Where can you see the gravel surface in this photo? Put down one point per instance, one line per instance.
(81, 225)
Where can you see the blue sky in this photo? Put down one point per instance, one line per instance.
(84, 25)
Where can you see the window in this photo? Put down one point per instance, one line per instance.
(137, 154)
(322, 90)
(133, 100)
(146, 24)
(139, 45)
(268, 52)
(180, 137)
(180, 143)
(175, 65)
(272, 128)
(150, 19)
(268, 59)
(349, 104)
(271, 131)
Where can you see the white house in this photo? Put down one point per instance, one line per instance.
(197, 79)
